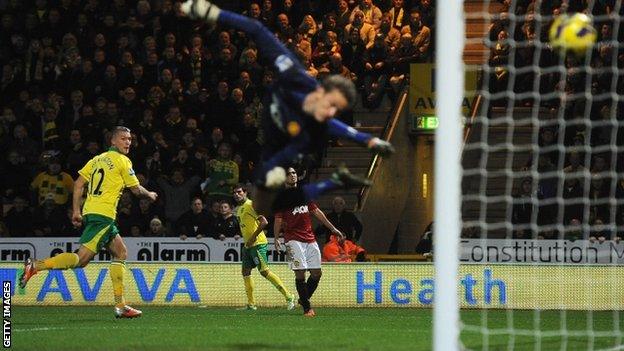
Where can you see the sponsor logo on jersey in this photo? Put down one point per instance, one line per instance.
(300, 209)
(293, 128)
(283, 63)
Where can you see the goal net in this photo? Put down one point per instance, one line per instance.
(542, 188)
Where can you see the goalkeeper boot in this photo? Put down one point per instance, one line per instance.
(202, 10)
(344, 178)
(127, 312)
(380, 146)
(29, 271)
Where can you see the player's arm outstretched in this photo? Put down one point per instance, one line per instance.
(323, 219)
(342, 130)
(140, 191)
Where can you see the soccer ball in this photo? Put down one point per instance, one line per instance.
(573, 33)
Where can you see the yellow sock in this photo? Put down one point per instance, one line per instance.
(249, 289)
(65, 260)
(117, 269)
(277, 282)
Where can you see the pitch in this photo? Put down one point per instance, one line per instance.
(192, 328)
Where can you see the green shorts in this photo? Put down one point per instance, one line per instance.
(256, 256)
(98, 231)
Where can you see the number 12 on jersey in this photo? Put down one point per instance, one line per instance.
(96, 190)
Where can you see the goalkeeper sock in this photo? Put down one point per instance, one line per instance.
(302, 289)
(249, 289)
(312, 284)
(65, 260)
(314, 190)
(117, 269)
(277, 282)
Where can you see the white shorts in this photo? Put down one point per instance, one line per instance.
(302, 255)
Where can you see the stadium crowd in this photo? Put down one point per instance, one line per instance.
(191, 94)
(586, 147)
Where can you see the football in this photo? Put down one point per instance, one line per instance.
(574, 33)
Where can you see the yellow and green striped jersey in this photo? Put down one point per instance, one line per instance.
(107, 174)
(248, 219)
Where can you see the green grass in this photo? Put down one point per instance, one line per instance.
(191, 328)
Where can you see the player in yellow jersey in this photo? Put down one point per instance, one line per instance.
(255, 251)
(106, 176)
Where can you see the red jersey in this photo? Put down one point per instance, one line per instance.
(297, 224)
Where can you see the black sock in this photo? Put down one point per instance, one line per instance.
(312, 285)
(302, 289)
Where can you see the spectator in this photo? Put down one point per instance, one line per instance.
(285, 31)
(427, 11)
(76, 155)
(376, 69)
(308, 27)
(14, 176)
(599, 191)
(403, 57)
(221, 175)
(325, 49)
(24, 145)
(53, 181)
(421, 34)
(340, 249)
(183, 161)
(220, 105)
(600, 233)
(227, 225)
(372, 14)
(195, 68)
(178, 191)
(19, 219)
(352, 52)
(268, 14)
(49, 217)
(125, 209)
(391, 34)
(195, 222)
(142, 214)
(156, 228)
(522, 209)
(344, 220)
(336, 66)
(397, 14)
(343, 14)
(367, 31)
(174, 123)
(425, 244)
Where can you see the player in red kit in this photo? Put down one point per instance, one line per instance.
(292, 217)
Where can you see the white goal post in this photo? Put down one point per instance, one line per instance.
(449, 87)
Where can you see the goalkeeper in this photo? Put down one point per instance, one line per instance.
(299, 112)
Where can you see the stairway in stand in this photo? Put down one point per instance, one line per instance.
(356, 157)
(477, 24)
